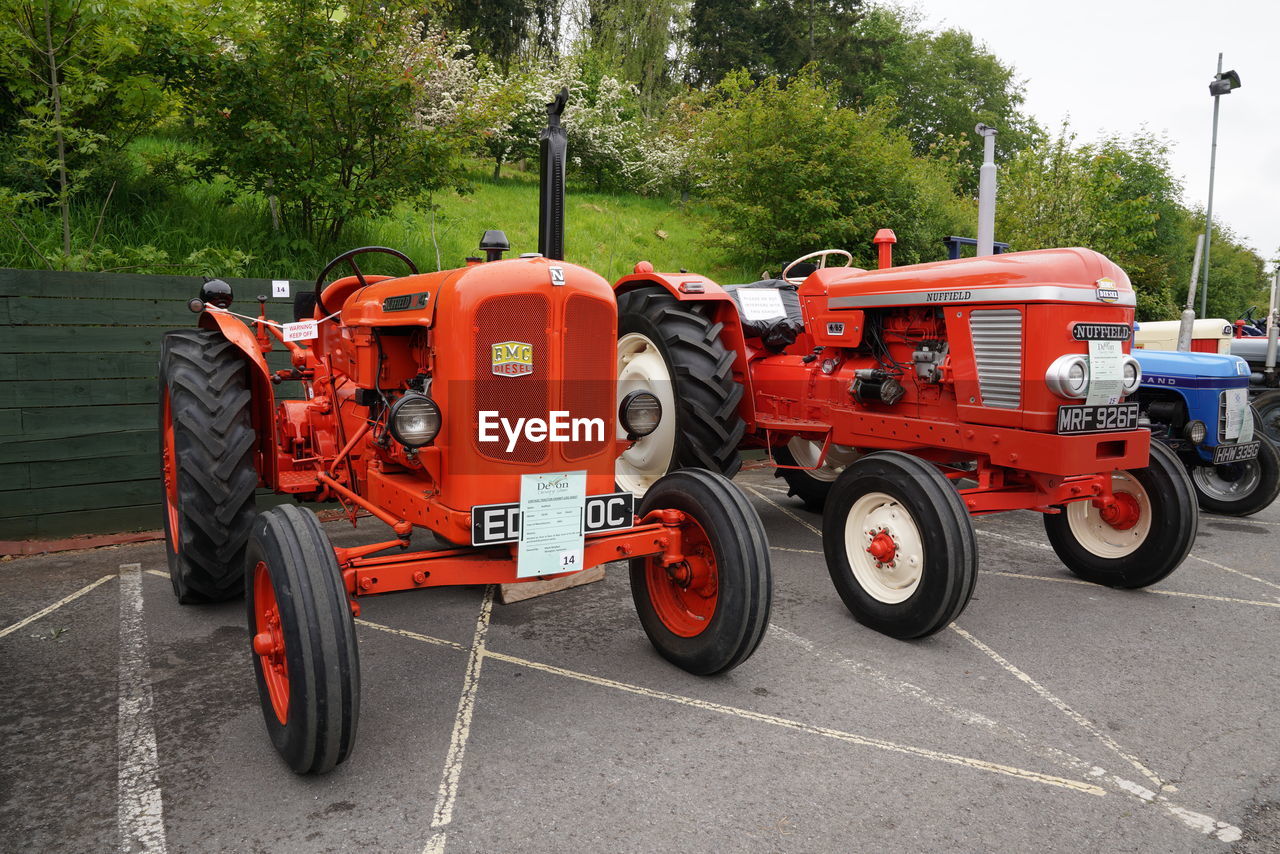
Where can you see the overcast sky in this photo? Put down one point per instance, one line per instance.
(1115, 66)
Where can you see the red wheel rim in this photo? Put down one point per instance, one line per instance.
(169, 470)
(684, 596)
(268, 642)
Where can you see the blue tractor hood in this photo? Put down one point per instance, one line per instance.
(1191, 365)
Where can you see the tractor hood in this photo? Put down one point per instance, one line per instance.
(1209, 366)
(1045, 275)
(412, 300)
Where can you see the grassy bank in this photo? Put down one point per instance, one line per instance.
(158, 224)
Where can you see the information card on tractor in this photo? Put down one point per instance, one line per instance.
(551, 532)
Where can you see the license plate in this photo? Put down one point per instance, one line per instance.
(1097, 419)
(1224, 454)
(492, 524)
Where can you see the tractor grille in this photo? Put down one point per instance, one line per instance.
(997, 351)
(521, 318)
(589, 363)
(1222, 417)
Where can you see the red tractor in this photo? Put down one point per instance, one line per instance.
(902, 401)
(478, 403)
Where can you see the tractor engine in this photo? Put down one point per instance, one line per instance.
(448, 385)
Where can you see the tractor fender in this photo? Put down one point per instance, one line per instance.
(262, 406)
(693, 288)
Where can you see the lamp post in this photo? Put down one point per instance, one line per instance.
(1222, 84)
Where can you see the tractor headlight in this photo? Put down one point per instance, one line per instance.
(1068, 376)
(415, 419)
(640, 414)
(1132, 376)
(1194, 432)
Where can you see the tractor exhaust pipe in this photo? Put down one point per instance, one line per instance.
(987, 191)
(552, 144)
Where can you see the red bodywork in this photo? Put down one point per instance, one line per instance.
(1022, 463)
(328, 446)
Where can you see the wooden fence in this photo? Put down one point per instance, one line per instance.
(78, 414)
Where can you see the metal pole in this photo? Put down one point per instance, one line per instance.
(1273, 332)
(1189, 313)
(1208, 213)
(987, 191)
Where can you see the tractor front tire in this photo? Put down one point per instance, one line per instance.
(1154, 535)
(674, 351)
(303, 640)
(208, 474)
(708, 613)
(1240, 489)
(1267, 405)
(899, 544)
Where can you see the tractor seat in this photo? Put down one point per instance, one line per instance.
(775, 333)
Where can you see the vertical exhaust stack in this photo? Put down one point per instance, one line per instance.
(987, 191)
(552, 145)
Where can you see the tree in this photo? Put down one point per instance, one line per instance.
(319, 106)
(788, 171)
(74, 97)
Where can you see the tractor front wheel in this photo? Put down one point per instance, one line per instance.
(206, 463)
(708, 613)
(1244, 488)
(1140, 538)
(303, 640)
(899, 544)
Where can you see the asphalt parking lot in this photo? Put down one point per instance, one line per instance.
(1054, 716)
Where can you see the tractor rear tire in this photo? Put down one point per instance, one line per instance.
(1240, 489)
(704, 429)
(207, 465)
(1150, 546)
(1267, 405)
(899, 544)
(810, 485)
(303, 640)
(707, 614)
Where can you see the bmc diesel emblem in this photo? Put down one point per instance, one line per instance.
(512, 359)
(1107, 291)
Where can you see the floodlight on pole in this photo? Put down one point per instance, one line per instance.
(1223, 83)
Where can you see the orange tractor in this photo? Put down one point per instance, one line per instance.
(477, 403)
(902, 401)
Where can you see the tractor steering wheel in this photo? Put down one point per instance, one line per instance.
(822, 255)
(350, 257)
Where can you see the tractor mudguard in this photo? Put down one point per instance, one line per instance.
(263, 404)
(693, 288)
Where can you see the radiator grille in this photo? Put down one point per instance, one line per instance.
(590, 357)
(997, 351)
(1222, 417)
(522, 318)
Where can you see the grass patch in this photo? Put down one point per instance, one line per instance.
(163, 223)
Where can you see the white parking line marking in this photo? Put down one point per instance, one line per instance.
(411, 635)
(448, 792)
(797, 551)
(139, 808)
(1143, 592)
(8, 630)
(799, 726)
(768, 500)
(1236, 571)
(1060, 705)
(1199, 822)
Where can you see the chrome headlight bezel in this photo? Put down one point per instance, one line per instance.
(1060, 379)
(1130, 385)
(414, 405)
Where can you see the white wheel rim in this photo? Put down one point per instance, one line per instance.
(1097, 536)
(890, 582)
(642, 368)
(1211, 482)
(806, 453)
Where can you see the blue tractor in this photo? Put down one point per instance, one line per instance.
(1198, 405)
